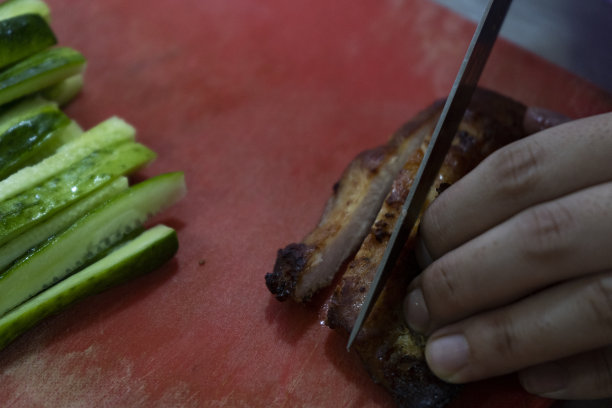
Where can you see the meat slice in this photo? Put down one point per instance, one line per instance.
(391, 352)
(303, 268)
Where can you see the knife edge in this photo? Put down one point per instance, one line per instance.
(456, 104)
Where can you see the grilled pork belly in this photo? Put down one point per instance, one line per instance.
(391, 352)
(303, 268)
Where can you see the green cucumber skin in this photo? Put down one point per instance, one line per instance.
(19, 245)
(12, 8)
(87, 238)
(144, 254)
(12, 113)
(39, 71)
(25, 210)
(110, 132)
(22, 36)
(24, 141)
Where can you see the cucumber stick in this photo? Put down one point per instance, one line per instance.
(30, 140)
(69, 133)
(12, 113)
(143, 254)
(38, 72)
(108, 133)
(25, 210)
(59, 222)
(12, 8)
(90, 236)
(30, 131)
(64, 91)
(23, 36)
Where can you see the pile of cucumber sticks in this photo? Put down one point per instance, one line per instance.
(70, 224)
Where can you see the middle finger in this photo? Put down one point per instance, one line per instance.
(545, 244)
(565, 320)
(539, 168)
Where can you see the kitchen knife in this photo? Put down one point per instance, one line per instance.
(452, 113)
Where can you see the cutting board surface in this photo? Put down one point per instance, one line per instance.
(262, 103)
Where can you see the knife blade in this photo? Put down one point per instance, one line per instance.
(456, 104)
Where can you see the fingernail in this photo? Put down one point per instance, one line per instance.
(447, 355)
(417, 315)
(545, 380)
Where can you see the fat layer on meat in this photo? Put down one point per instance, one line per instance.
(391, 352)
(301, 269)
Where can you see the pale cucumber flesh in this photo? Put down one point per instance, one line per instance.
(108, 133)
(12, 8)
(70, 133)
(93, 234)
(64, 91)
(148, 251)
(19, 245)
(31, 207)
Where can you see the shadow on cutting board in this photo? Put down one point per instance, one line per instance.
(605, 403)
(86, 313)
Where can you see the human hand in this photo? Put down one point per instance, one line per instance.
(522, 277)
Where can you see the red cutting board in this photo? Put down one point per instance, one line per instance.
(262, 103)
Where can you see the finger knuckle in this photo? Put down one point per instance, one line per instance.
(547, 229)
(515, 168)
(433, 225)
(443, 289)
(505, 340)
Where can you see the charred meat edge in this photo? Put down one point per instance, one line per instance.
(301, 269)
(391, 352)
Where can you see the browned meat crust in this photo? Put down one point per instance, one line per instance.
(362, 211)
(485, 127)
(303, 268)
(392, 353)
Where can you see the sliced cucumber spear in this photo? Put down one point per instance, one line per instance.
(69, 133)
(12, 113)
(12, 8)
(108, 133)
(143, 254)
(64, 91)
(23, 36)
(30, 140)
(38, 72)
(87, 238)
(18, 246)
(30, 131)
(27, 209)
(22, 107)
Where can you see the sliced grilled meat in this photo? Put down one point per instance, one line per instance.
(391, 352)
(303, 268)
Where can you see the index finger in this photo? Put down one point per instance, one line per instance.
(539, 168)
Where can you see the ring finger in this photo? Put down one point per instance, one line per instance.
(559, 322)
(583, 376)
(540, 246)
